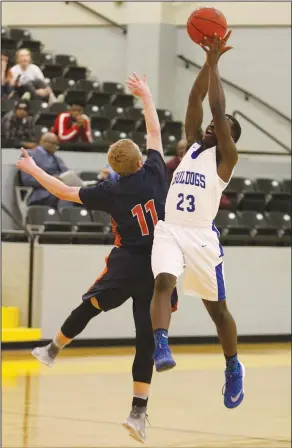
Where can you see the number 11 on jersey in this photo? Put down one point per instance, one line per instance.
(139, 212)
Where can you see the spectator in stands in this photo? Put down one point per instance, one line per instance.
(73, 125)
(108, 173)
(28, 80)
(44, 156)
(6, 75)
(173, 163)
(18, 128)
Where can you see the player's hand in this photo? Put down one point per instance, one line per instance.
(26, 163)
(138, 86)
(214, 48)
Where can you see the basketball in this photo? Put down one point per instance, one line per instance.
(205, 22)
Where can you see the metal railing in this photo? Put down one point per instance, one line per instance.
(247, 95)
(264, 131)
(86, 8)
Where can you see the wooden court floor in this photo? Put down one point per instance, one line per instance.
(81, 402)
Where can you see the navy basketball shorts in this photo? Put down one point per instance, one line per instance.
(126, 274)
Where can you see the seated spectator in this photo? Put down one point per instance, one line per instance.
(18, 128)
(225, 202)
(44, 156)
(6, 75)
(173, 163)
(28, 80)
(108, 173)
(73, 126)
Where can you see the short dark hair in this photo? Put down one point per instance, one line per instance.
(22, 104)
(79, 103)
(236, 128)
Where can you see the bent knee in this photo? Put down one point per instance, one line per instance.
(165, 283)
(217, 310)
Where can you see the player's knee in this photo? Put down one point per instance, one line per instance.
(78, 319)
(164, 283)
(218, 312)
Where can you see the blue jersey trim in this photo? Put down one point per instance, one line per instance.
(196, 153)
(220, 282)
(214, 228)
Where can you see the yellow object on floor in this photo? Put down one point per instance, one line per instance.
(11, 332)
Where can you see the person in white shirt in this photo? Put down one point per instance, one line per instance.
(28, 79)
(188, 238)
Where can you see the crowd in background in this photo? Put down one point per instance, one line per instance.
(24, 82)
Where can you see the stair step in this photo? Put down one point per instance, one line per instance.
(21, 334)
(10, 317)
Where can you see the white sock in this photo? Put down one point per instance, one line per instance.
(143, 396)
(56, 343)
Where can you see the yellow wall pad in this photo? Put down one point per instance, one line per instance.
(20, 334)
(10, 317)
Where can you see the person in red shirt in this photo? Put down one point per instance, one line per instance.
(173, 163)
(73, 125)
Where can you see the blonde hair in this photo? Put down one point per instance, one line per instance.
(125, 157)
(23, 49)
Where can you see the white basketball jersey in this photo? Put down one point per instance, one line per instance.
(194, 195)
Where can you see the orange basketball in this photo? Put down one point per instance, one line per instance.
(206, 22)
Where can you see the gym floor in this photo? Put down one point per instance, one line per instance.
(81, 402)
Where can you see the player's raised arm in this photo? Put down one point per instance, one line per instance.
(139, 88)
(194, 115)
(50, 183)
(217, 103)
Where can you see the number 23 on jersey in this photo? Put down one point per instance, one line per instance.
(139, 213)
(186, 203)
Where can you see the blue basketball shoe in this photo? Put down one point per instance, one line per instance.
(162, 355)
(233, 389)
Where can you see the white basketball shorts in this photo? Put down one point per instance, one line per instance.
(198, 251)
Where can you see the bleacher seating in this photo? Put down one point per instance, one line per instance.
(259, 211)
(107, 100)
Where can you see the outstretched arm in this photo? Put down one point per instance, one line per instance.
(217, 103)
(140, 88)
(194, 116)
(50, 183)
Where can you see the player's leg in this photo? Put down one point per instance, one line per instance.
(72, 327)
(204, 277)
(105, 294)
(167, 265)
(227, 333)
(143, 362)
(225, 325)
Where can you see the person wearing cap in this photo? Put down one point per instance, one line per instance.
(73, 125)
(18, 127)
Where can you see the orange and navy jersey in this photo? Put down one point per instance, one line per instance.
(135, 202)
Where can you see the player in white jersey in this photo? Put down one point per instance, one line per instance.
(188, 238)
